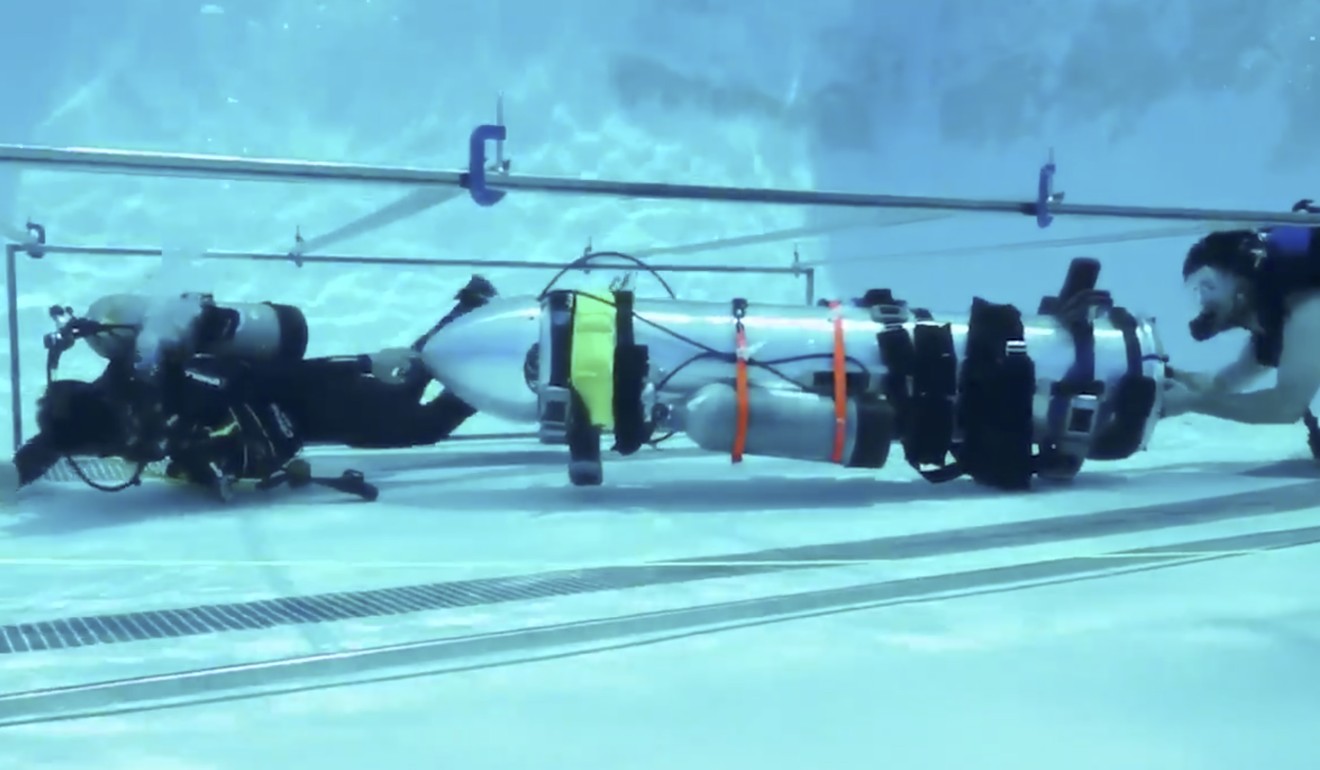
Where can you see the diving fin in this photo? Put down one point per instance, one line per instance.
(298, 474)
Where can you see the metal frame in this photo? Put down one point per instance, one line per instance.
(37, 250)
(488, 189)
(486, 183)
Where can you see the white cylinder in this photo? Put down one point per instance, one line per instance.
(785, 423)
(193, 323)
(497, 357)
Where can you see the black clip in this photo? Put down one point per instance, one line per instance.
(739, 311)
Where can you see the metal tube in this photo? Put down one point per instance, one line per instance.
(267, 169)
(150, 251)
(15, 371)
(1131, 236)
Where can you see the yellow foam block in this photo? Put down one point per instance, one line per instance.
(591, 364)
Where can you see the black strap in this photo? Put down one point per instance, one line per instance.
(996, 389)
(631, 363)
(934, 388)
(1074, 313)
(1124, 413)
(583, 438)
(920, 384)
(875, 433)
(559, 305)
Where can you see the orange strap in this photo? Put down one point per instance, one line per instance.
(840, 385)
(740, 364)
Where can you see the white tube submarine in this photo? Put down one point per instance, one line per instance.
(988, 393)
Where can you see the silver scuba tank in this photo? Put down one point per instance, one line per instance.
(196, 323)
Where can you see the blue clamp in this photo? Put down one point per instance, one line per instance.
(476, 175)
(1045, 193)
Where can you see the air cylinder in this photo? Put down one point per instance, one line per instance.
(787, 423)
(252, 330)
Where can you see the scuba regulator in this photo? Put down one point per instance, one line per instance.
(69, 329)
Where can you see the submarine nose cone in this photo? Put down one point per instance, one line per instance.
(480, 357)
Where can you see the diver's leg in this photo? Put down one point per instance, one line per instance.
(376, 415)
(389, 421)
(335, 401)
(412, 377)
(476, 293)
(37, 455)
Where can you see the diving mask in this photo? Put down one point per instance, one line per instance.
(1219, 297)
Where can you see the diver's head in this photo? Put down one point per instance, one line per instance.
(80, 417)
(1218, 272)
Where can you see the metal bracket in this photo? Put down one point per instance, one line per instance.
(298, 244)
(29, 240)
(477, 183)
(1045, 194)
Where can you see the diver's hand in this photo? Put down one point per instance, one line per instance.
(392, 365)
(1180, 398)
(1200, 381)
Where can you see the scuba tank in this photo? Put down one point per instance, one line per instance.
(136, 330)
(195, 323)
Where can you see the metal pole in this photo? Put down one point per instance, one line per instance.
(148, 251)
(811, 285)
(279, 170)
(1186, 231)
(15, 371)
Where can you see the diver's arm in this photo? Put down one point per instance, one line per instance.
(1298, 377)
(1244, 370)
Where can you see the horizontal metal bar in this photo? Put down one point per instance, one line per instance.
(275, 170)
(149, 251)
(1131, 236)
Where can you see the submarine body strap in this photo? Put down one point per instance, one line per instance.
(840, 384)
(741, 386)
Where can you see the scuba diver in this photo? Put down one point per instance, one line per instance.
(217, 416)
(1266, 282)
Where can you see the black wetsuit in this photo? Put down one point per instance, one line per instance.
(223, 417)
(1278, 263)
(216, 418)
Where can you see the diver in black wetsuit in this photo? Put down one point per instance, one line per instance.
(217, 419)
(1266, 282)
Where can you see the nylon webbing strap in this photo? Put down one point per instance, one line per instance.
(840, 384)
(741, 385)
